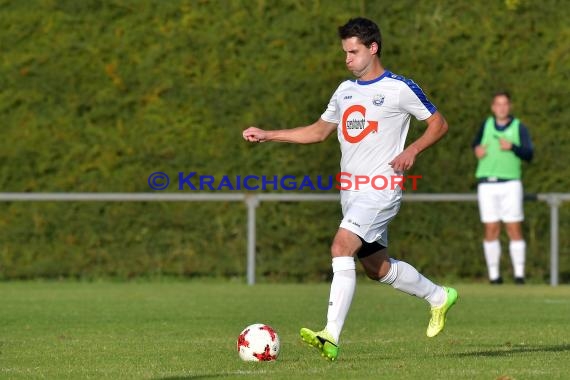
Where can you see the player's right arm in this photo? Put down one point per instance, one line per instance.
(479, 150)
(314, 133)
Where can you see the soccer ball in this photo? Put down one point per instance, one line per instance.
(258, 343)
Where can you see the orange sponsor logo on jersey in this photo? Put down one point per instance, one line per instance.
(364, 131)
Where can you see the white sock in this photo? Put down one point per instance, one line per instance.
(492, 250)
(517, 249)
(342, 290)
(406, 278)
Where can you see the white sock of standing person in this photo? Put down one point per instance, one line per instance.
(492, 250)
(342, 289)
(517, 250)
(406, 278)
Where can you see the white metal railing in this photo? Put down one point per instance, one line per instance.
(252, 200)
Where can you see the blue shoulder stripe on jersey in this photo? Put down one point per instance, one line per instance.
(417, 90)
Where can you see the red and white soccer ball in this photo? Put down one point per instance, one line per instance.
(258, 343)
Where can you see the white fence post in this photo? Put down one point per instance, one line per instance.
(252, 202)
(554, 203)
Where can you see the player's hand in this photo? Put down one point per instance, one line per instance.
(253, 134)
(405, 160)
(480, 151)
(505, 144)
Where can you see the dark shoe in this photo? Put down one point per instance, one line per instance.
(519, 280)
(497, 281)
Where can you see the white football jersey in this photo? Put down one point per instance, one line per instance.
(373, 119)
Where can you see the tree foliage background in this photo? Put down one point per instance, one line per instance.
(98, 94)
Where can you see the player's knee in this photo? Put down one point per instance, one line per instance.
(492, 231)
(514, 231)
(339, 249)
(345, 244)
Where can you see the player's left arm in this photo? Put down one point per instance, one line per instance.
(436, 128)
(524, 151)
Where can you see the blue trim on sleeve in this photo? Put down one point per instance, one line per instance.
(417, 90)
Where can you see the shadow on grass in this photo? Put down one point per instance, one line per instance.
(513, 350)
(197, 377)
(193, 377)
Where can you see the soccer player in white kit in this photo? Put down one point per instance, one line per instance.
(371, 116)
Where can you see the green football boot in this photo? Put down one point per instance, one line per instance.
(438, 314)
(322, 341)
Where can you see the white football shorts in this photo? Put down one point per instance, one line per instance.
(368, 213)
(501, 201)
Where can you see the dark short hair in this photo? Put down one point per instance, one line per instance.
(366, 30)
(504, 93)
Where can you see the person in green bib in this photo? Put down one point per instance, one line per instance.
(500, 146)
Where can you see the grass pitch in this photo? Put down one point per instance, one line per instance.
(188, 330)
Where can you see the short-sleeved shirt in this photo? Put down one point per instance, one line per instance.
(373, 119)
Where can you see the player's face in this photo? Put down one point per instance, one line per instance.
(501, 107)
(359, 58)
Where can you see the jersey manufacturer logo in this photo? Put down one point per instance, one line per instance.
(354, 119)
(353, 222)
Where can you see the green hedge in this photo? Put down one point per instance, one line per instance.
(98, 94)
